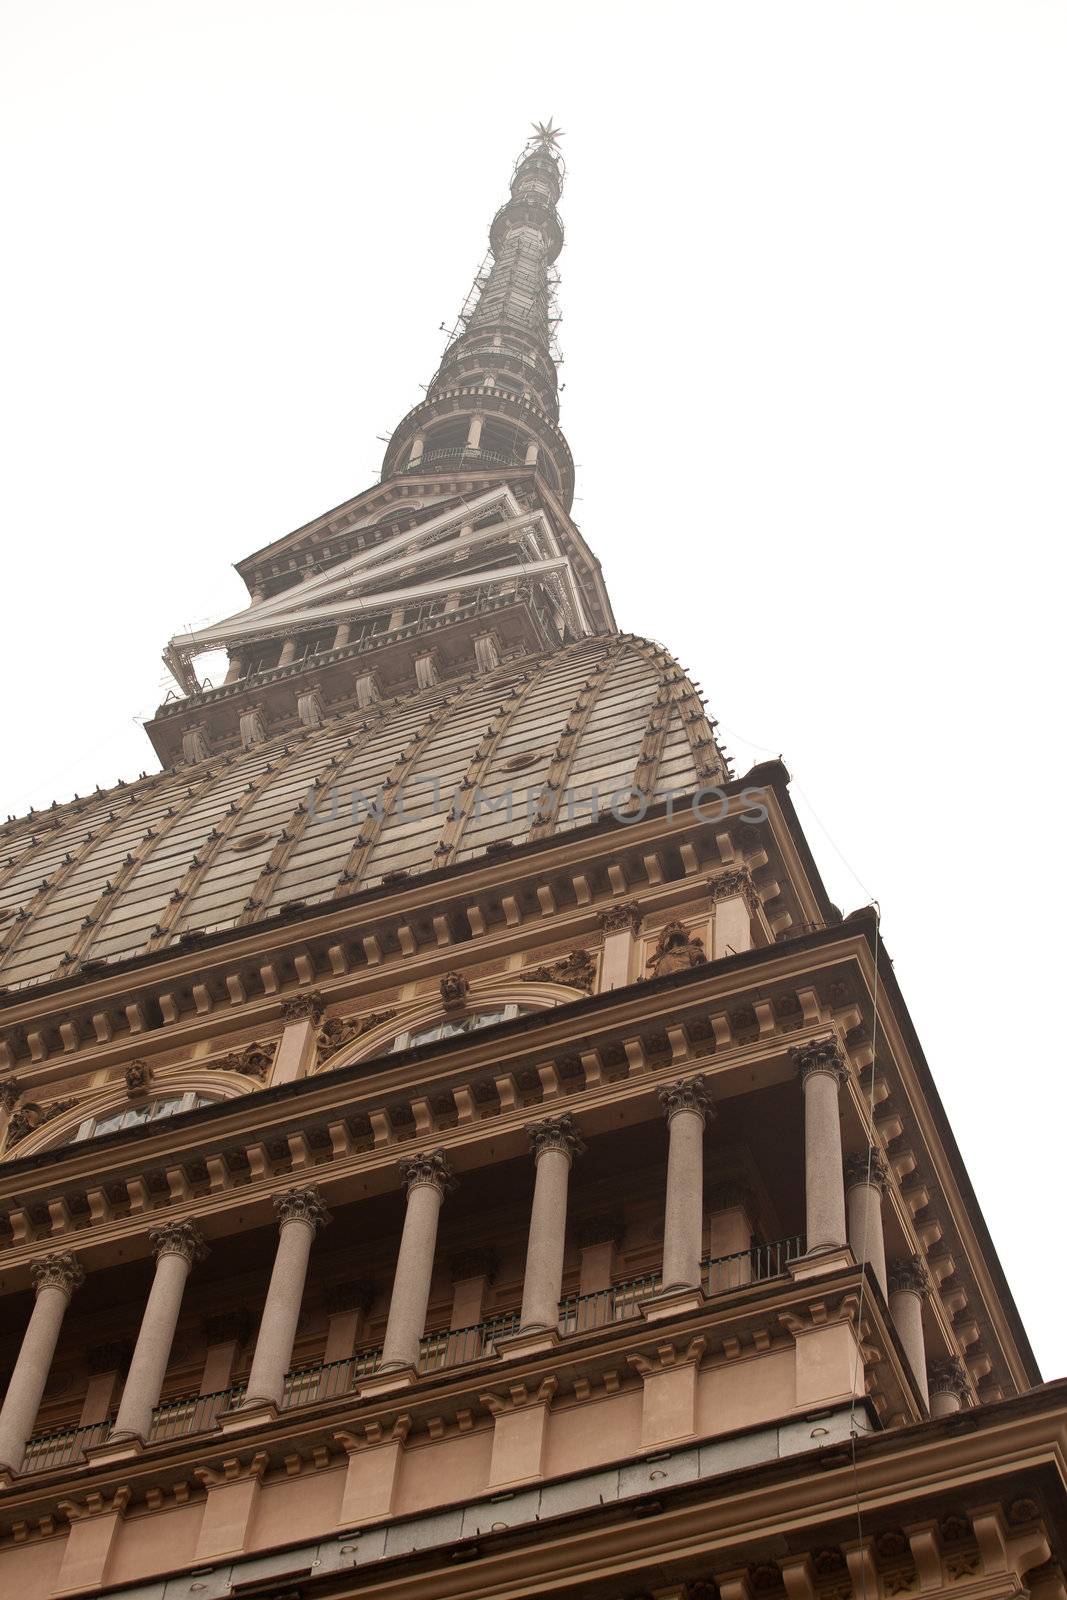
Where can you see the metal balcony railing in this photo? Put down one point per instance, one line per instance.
(185, 1415)
(619, 1303)
(466, 455)
(720, 1274)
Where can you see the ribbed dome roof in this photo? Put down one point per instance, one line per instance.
(232, 840)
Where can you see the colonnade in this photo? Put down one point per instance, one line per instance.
(843, 1209)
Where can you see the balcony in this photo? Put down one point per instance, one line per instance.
(461, 455)
(186, 1415)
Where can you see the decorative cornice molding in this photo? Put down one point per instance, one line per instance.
(301, 1007)
(302, 1205)
(428, 1169)
(863, 1167)
(819, 1055)
(61, 1269)
(555, 1133)
(908, 1276)
(627, 914)
(687, 1094)
(178, 1239)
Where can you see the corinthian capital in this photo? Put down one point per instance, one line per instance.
(555, 1133)
(737, 881)
(302, 1205)
(819, 1055)
(60, 1270)
(857, 1169)
(948, 1376)
(908, 1274)
(179, 1239)
(687, 1094)
(428, 1168)
(626, 914)
(300, 1006)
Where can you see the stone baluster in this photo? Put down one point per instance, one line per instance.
(686, 1105)
(426, 1178)
(555, 1142)
(55, 1278)
(177, 1245)
(947, 1382)
(866, 1175)
(908, 1283)
(301, 1213)
(822, 1072)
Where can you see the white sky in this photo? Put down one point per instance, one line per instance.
(816, 345)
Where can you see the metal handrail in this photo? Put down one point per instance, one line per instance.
(619, 1303)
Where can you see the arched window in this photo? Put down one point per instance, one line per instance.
(452, 1027)
(133, 1116)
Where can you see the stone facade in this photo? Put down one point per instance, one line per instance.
(604, 1256)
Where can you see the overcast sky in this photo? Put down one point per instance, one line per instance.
(815, 349)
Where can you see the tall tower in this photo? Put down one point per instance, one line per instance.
(451, 1145)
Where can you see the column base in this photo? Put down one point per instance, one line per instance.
(244, 1418)
(526, 1342)
(818, 1263)
(394, 1381)
(121, 1447)
(672, 1302)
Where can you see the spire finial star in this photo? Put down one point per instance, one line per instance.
(547, 134)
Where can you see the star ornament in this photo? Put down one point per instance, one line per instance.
(547, 134)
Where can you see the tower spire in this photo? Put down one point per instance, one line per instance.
(494, 399)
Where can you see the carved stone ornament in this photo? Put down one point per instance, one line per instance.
(302, 1205)
(908, 1275)
(627, 914)
(676, 951)
(733, 884)
(591, 1231)
(948, 1376)
(113, 1357)
(254, 1060)
(358, 1294)
(138, 1076)
(730, 1195)
(857, 1170)
(10, 1090)
(59, 1270)
(687, 1094)
(178, 1239)
(454, 990)
(429, 1167)
(577, 970)
(819, 1055)
(301, 1006)
(31, 1116)
(337, 1032)
(228, 1327)
(473, 1264)
(555, 1133)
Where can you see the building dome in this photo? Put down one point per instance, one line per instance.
(415, 783)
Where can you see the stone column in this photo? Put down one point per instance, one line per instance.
(301, 1213)
(908, 1283)
(734, 901)
(55, 1278)
(342, 636)
(288, 652)
(474, 432)
(866, 1175)
(686, 1105)
(947, 1382)
(177, 1245)
(555, 1142)
(426, 1177)
(822, 1072)
(621, 924)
